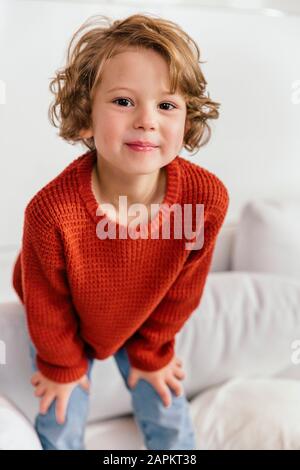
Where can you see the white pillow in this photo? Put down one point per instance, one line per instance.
(268, 238)
(16, 431)
(245, 324)
(254, 414)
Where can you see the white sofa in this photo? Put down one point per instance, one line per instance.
(241, 342)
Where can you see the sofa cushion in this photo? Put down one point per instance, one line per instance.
(114, 434)
(16, 432)
(248, 413)
(246, 323)
(267, 238)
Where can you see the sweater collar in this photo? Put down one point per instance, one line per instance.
(84, 180)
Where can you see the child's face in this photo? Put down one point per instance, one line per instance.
(141, 113)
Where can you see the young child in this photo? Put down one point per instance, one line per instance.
(132, 91)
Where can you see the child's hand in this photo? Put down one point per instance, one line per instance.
(159, 379)
(49, 390)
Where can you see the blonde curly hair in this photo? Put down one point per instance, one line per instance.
(74, 85)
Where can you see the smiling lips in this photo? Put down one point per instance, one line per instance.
(142, 143)
(141, 146)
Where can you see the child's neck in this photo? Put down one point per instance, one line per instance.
(108, 185)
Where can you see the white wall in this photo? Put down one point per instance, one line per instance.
(252, 64)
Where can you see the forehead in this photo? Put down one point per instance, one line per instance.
(134, 65)
(136, 69)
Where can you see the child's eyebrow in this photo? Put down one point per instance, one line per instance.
(164, 92)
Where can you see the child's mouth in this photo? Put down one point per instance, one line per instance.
(141, 148)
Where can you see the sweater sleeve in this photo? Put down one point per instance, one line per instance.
(152, 345)
(50, 313)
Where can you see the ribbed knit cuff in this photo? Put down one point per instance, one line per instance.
(147, 360)
(62, 374)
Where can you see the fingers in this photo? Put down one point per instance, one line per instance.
(179, 373)
(61, 408)
(133, 377)
(178, 370)
(40, 390)
(165, 394)
(176, 386)
(46, 402)
(85, 383)
(35, 379)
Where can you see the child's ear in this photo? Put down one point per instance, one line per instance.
(86, 133)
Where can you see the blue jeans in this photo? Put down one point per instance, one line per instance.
(162, 428)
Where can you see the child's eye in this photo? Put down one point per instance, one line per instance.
(170, 104)
(121, 99)
(125, 99)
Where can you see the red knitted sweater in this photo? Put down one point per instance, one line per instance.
(87, 296)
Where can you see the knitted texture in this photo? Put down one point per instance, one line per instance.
(86, 295)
